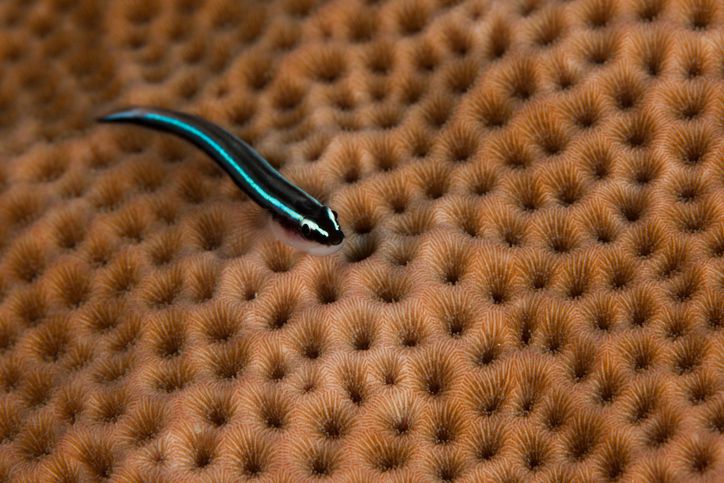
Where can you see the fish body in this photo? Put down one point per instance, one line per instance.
(299, 219)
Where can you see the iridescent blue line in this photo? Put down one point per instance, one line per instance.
(214, 145)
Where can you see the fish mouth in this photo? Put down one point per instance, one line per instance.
(337, 238)
(292, 238)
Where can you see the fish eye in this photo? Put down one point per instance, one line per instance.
(306, 229)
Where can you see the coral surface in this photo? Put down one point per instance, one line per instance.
(532, 288)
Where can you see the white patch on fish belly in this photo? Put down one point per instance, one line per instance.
(294, 239)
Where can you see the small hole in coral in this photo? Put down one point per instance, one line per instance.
(650, 10)
(360, 248)
(701, 14)
(662, 429)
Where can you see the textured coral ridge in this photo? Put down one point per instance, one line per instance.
(533, 284)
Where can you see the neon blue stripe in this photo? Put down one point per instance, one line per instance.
(296, 216)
